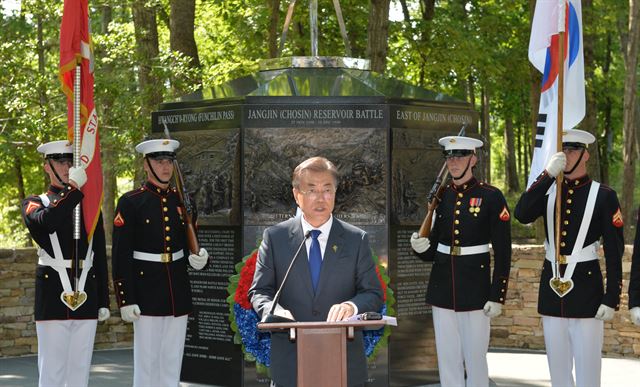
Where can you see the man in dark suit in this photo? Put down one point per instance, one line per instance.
(66, 327)
(634, 281)
(333, 279)
(572, 298)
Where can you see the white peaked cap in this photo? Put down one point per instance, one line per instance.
(59, 147)
(459, 143)
(576, 135)
(157, 146)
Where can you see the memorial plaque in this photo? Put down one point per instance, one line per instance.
(315, 116)
(441, 119)
(197, 118)
(412, 347)
(210, 353)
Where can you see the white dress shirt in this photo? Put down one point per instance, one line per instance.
(323, 238)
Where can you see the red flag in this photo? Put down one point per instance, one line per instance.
(76, 48)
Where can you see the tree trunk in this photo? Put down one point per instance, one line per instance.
(629, 110)
(509, 157)
(605, 145)
(146, 33)
(378, 34)
(109, 162)
(274, 7)
(182, 39)
(485, 132)
(17, 166)
(405, 11)
(428, 8)
(518, 150)
(41, 65)
(590, 122)
(150, 86)
(471, 92)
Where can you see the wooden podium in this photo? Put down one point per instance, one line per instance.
(322, 348)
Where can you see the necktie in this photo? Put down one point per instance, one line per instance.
(315, 258)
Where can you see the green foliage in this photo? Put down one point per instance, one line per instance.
(469, 46)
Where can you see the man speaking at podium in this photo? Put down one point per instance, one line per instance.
(332, 279)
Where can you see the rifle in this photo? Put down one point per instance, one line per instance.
(185, 202)
(435, 195)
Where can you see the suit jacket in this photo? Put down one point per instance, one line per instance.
(634, 282)
(57, 218)
(588, 291)
(348, 274)
(474, 213)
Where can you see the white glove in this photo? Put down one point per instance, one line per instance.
(492, 309)
(78, 176)
(197, 261)
(556, 164)
(420, 245)
(130, 313)
(103, 314)
(604, 313)
(635, 315)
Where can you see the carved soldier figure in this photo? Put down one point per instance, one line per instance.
(66, 326)
(149, 270)
(572, 298)
(463, 294)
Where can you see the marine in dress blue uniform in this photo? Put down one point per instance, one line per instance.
(462, 291)
(574, 302)
(65, 332)
(150, 268)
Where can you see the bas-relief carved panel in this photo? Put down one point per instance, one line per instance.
(270, 155)
(210, 163)
(415, 163)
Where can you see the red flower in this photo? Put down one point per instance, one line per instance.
(244, 283)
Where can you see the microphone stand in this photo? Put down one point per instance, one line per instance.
(270, 317)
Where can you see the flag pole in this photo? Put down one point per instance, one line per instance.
(76, 163)
(559, 128)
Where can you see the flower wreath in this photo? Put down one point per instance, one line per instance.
(256, 345)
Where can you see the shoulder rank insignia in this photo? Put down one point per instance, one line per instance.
(31, 207)
(504, 215)
(617, 219)
(118, 221)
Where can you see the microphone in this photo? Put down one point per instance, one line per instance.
(270, 317)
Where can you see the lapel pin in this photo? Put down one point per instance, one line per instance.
(335, 248)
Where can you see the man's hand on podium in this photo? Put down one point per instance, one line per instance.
(340, 312)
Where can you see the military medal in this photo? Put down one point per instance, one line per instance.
(474, 206)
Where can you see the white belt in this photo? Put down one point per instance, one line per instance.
(164, 257)
(589, 253)
(51, 262)
(467, 250)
